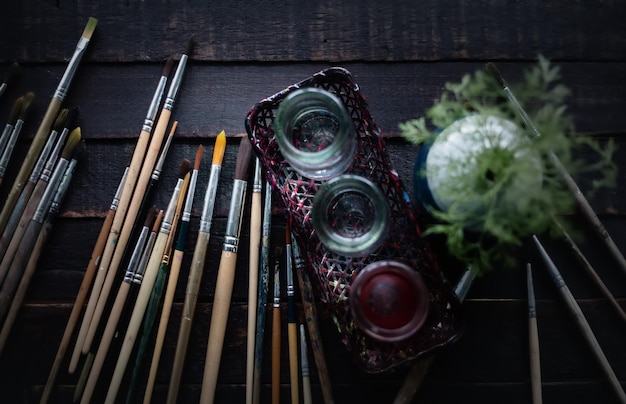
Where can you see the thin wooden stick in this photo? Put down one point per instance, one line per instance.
(580, 319)
(127, 192)
(143, 297)
(226, 274)
(46, 123)
(256, 212)
(276, 330)
(310, 311)
(262, 294)
(582, 202)
(195, 276)
(533, 338)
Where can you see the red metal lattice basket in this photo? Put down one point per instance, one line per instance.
(335, 273)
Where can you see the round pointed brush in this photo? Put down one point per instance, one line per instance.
(134, 168)
(226, 273)
(194, 277)
(173, 277)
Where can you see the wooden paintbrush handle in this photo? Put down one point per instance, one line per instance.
(535, 364)
(219, 318)
(275, 355)
(253, 285)
(292, 331)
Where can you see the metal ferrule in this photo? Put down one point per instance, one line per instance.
(191, 190)
(166, 225)
(297, 257)
(131, 269)
(52, 160)
(464, 283)
(159, 165)
(175, 86)
(118, 193)
(532, 308)
(154, 105)
(276, 298)
(5, 135)
(48, 194)
(233, 225)
(41, 161)
(72, 66)
(304, 361)
(267, 210)
(257, 183)
(290, 289)
(145, 256)
(4, 160)
(209, 199)
(63, 187)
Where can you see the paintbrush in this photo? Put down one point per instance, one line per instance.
(143, 296)
(15, 133)
(155, 302)
(32, 254)
(9, 77)
(262, 294)
(226, 273)
(195, 277)
(292, 327)
(256, 212)
(141, 186)
(82, 292)
(39, 139)
(304, 368)
(276, 330)
(580, 319)
(8, 128)
(47, 160)
(173, 276)
(582, 202)
(125, 197)
(533, 338)
(122, 251)
(417, 373)
(590, 270)
(132, 276)
(308, 304)
(33, 202)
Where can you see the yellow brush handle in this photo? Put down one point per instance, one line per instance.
(219, 317)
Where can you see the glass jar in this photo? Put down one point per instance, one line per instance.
(350, 215)
(315, 133)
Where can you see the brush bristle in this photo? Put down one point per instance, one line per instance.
(79, 150)
(72, 118)
(173, 128)
(157, 221)
(185, 166)
(243, 159)
(168, 67)
(220, 147)
(72, 141)
(196, 164)
(28, 100)
(58, 123)
(90, 28)
(15, 112)
(190, 46)
(495, 73)
(152, 212)
(12, 72)
(287, 234)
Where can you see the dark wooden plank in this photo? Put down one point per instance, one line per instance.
(322, 31)
(114, 98)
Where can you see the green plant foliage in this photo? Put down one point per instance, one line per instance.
(508, 213)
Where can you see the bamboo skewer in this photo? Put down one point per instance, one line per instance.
(195, 277)
(253, 275)
(226, 274)
(582, 202)
(35, 252)
(292, 327)
(581, 321)
(143, 297)
(82, 293)
(308, 303)
(132, 175)
(276, 330)
(262, 294)
(39, 139)
(533, 338)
